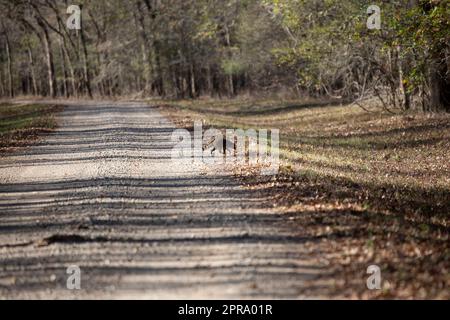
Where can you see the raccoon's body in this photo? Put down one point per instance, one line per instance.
(223, 145)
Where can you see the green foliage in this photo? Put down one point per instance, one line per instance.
(422, 33)
(232, 67)
(191, 48)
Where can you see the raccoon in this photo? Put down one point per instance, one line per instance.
(223, 145)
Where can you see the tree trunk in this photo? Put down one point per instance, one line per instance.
(145, 48)
(229, 76)
(71, 70)
(439, 80)
(64, 71)
(2, 88)
(49, 59)
(32, 72)
(9, 63)
(439, 87)
(87, 77)
(403, 88)
(158, 83)
(193, 88)
(209, 80)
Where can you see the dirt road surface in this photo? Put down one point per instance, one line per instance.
(103, 193)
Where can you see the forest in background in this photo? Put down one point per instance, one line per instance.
(224, 48)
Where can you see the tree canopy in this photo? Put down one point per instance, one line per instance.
(186, 49)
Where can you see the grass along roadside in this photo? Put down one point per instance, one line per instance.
(369, 187)
(20, 124)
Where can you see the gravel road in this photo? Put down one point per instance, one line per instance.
(103, 193)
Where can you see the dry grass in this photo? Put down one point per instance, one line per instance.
(22, 124)
(368, 187)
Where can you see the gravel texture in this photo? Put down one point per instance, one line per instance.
(103, 193)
